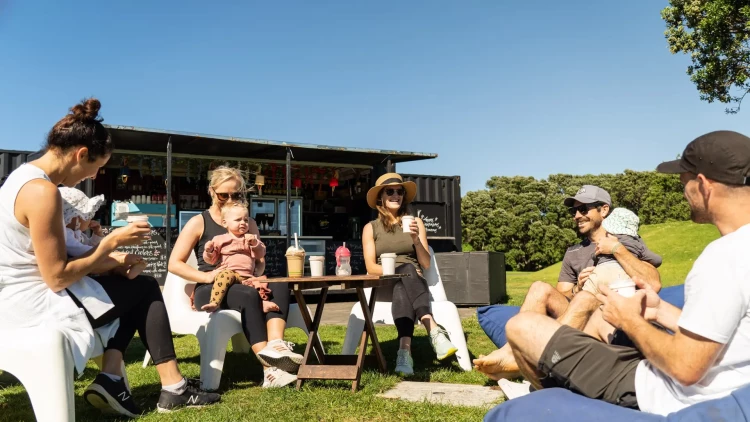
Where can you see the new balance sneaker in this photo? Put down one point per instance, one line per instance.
(191, 397)
(404, 363)
(279, 354)
(275, 378)
(441, 344)
(111, 396)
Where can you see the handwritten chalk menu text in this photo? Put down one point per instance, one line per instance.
(433, 216)
(358, 257)
(275, 257)
(153, 251)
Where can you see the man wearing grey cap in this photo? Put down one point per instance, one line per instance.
(706, 357)
(589, 207)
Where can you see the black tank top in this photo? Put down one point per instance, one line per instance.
(210, 229)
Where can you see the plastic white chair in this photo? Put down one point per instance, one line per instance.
(41, 359)
(214, 330)
(444, 312)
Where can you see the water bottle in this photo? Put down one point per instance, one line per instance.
(343, 261)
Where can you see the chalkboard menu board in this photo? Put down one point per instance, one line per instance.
(275, 257)
(154, 251)
(357, 261)
(433, 216)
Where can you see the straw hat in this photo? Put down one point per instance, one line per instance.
(391, 179)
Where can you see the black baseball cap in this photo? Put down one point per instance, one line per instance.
(723, 156)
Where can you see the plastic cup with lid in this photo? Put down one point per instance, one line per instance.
(388, 262)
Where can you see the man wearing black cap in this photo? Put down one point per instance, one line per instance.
(707, 356)
(589, 207)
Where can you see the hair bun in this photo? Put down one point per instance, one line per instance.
(87, 110)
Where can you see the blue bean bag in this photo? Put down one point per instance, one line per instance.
(557, 404)
(492, 318)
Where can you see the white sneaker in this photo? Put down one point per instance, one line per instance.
(404, 363)
(514, 390)
(279, 353)
(441, 344)
(276, 378)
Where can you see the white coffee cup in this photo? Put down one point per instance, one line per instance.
(406, 223)
(317, 266)
(137, 218)
(624, 287)
(388, 261)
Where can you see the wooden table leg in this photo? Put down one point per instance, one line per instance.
(369, 329)
(307, 319)
(313, 339)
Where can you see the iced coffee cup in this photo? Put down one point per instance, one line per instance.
(295, 261)
(624, 287)
(406, 223)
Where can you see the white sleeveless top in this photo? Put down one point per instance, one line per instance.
(26, 300)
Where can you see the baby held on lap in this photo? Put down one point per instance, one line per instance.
(237, 253)
(623, 224)
(78, 212)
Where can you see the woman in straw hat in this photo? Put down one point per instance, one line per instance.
(391, 196)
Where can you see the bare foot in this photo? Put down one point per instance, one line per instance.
(498, 364)
(136, 269)
(210, 307)
(270, 307)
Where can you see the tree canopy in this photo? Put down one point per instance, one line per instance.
(715, 34)
(525, 218)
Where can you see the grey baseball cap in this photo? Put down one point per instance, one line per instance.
(588, 194)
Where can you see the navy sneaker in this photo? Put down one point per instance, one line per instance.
(111, 396)
(193, 396)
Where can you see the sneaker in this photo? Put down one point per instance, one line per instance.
(441, 344)
(514, 390)
(404, 363)
(279, 354)
(191, 397)
(276, 378)
(111, 396)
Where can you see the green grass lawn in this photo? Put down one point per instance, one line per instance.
(243, 400)
(678, 243)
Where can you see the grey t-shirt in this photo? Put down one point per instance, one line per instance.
(581, 256)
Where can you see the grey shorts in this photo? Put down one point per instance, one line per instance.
(578, 362)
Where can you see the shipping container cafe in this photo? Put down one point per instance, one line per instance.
(314, 191)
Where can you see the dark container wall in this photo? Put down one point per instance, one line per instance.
(438, 203)
(10, 160)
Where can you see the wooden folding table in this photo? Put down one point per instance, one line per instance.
(337, 367)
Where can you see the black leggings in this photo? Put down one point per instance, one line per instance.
(246, 301)
(411, 300)
(140, 306)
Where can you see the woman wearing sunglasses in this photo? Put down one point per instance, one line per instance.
(391, 196)
(264, 331)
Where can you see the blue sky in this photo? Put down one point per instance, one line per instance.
(495, 88)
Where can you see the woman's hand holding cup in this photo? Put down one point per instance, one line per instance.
(133, 234)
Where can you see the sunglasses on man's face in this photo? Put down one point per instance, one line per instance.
(583, 208)
(391, 191)
(224, 196)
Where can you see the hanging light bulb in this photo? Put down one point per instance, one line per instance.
(260, 180)
(124, 171)
(296, 183)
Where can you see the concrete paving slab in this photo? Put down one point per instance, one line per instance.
(452, 394)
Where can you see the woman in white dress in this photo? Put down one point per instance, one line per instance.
(41, 285)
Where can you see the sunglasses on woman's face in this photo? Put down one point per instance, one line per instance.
(583, 208)
(391, 191)
(224, 196)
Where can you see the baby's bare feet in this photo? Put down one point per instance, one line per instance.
(136, 269)
(210, 307)
(270, 307)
